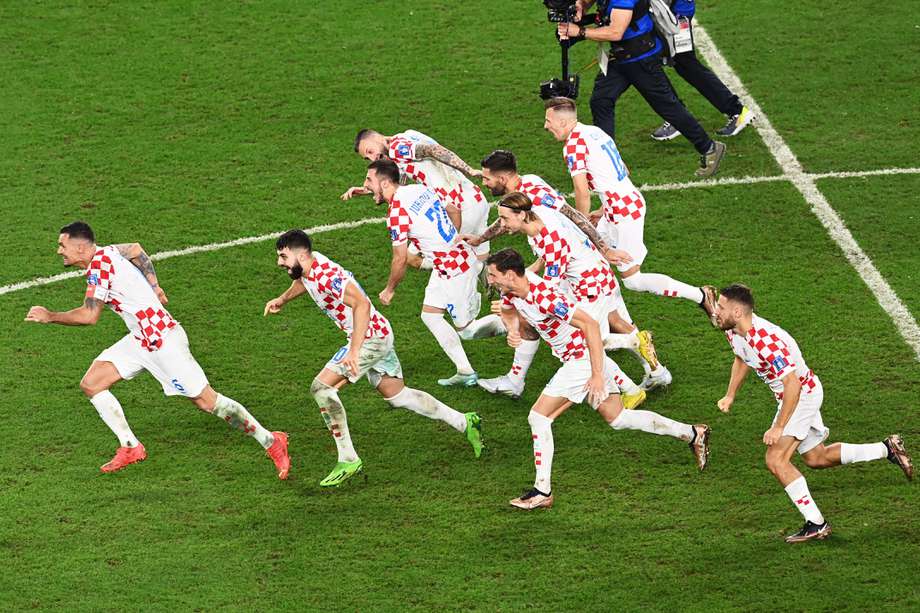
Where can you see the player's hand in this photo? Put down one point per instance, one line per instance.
(772, 435)
(514, 338)
(617, 256)
(39, 314)
(725, 404)
(597, 390)
(354, 191)
(475, 174)
(350, 361)
(471, 239)
(272, 307)
(495, 307)
(386, 296)
(595, 216)
(161, 295)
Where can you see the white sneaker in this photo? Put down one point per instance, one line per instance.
(662, 379)
(502, 385)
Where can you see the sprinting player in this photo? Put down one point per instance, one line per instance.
(421, 159)
(596, 166)
(499, 175)
(417, 215)
(369, 351)
(586, 371)
(122, 278)
(774, 355)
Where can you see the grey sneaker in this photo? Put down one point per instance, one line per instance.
(460, 379)
(709, 161)
(736, 123)
(665, 132)
(502, 385)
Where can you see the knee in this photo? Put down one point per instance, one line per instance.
(465, 334)
(775, 463)
(321, 392)
(89, 387)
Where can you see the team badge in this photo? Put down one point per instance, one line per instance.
(93, 279)
(552, 270)
(779, 363)
(547, 200)
(394, 234)
(570, 160)
(337, 285)
(561, 309)
(402, 150)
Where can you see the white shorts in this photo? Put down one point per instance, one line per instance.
(570, 380)
(598, 309)
(627, 235)
(173, 365)
(475, 220)
(459, 296)
(620, 305)
(376, 359)
(806, 424)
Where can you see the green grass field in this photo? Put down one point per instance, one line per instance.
(177, 124)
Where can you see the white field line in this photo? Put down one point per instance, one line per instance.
(806, 184)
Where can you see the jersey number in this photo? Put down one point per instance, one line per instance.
(437, 214)
(615, 159)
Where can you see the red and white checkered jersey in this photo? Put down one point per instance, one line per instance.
(417, 215)
(590, 151)
(772, 353)
(540, 192)
(326, 282)
(113, 280)
(447, 182)
(570, 256)
(550, 312)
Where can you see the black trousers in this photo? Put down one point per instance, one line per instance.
(688, 66)
(647, 76)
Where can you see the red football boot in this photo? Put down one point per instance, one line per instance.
(123, 457)
(278, 452)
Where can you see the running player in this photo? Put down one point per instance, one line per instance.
(596, 166)
(417, 215)
(369, 351)
(775, 356)
(122, 278)
(586, 372)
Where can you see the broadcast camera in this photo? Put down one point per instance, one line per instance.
(562, 11)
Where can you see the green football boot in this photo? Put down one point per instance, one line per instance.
(474, 432)
(341, 473)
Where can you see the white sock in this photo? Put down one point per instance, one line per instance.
(333, 413)
(623, 381)
(425, 404)
(110, 411)
(653, 423)
(523, 358)
(541, 429)
(801, 498)
(237, 416)
(449, 340)
(484, 327)
(614, 341)
(662, 285)
(850, 453)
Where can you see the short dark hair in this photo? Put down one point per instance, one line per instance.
(501, 161)
(292, 239)
(386, 169)
(362, 134)
(507, 259)
(79, 229)
(736, 292)
(561, 104)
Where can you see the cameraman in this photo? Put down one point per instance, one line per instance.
(635, 59)
(712, 88)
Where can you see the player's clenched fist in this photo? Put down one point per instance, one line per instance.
(273, 306)
(39, 314)
(725, 404)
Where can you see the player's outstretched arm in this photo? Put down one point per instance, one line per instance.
(582, 193)
(397, 272)
(446, 156)
(275, 304)
(137, 256)
(360, 306)
(86, 315)
(358, 190)
(739, 373)
(597, 389)
(491, 232)
(614, 256)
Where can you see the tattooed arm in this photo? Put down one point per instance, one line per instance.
(491, 232)
(614, 256)
(86, 315)
(446, 156)
(136, 254)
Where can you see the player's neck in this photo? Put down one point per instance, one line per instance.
(743, 325)
(516, 183)
(571, 128)
(307, 264)
(84, 263)
(521, 287)
(532, 228)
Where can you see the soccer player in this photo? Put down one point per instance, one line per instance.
(421, 159)
(499, 175)
(122, 278)
(417, 215)
(369, 351)
(586, 372)
(774, 355)
(595, 165)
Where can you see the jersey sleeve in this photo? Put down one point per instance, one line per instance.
(398, 222)
(550, 302)
(401, 149)
(507, 304)
(774, 352)
(556, 252)
(99, 277)
(576, 156)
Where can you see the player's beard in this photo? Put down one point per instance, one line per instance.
(295, 271)
(724, 324)
(499, 190)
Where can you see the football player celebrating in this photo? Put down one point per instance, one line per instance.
(122, 278)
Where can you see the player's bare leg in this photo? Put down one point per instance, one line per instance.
(838, 454)
(449, 340)
(512, 383)
(235, 414)
(663, 285)
(779, 462)
(97, 381)
(697, 436)
(544, 411)
(400, 396)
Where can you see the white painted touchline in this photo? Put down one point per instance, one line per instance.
(805, 183)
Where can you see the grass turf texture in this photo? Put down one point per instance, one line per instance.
(180, 126)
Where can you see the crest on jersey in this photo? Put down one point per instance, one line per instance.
(394, 234)
(337, 285)
(547, 200)
(93, 279)
(402, 150)
(570, 160)
(552, 270)
(779, 363)
(561, 309)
